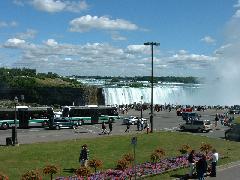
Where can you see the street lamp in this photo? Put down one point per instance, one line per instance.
(141, 107)
(14, 133)
(151, 116)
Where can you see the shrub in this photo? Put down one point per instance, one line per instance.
(185, 149)
(95, 163)
(122, 164)
(31, 175)
(157, 155)
(160, 152)
(206, 148)
(128, 157)
(50, 169)
(82, 171)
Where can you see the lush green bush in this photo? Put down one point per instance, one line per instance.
(95, 163)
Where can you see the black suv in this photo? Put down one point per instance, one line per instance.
(191, 115)
(59, 123)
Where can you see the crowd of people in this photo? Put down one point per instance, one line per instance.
(225, 119)
(123, 109)
(202, 166)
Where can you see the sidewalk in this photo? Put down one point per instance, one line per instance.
(228, 171)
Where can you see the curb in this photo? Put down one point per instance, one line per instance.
(228, 165)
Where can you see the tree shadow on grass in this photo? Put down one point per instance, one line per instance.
(69, 170)
(180, 177)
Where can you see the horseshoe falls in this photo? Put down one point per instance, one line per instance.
(173, 94)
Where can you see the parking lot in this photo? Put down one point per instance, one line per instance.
(163, 120)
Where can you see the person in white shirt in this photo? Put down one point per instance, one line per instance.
(214, 163)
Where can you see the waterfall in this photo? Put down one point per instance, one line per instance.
(173, 94)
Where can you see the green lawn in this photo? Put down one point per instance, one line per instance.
(237, 120)
(17, 160)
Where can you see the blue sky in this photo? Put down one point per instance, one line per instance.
(105, 37)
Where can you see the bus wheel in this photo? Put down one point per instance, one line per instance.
(57, 127)
(5, 126)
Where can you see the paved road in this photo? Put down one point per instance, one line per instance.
(227, 172)
(163, 120)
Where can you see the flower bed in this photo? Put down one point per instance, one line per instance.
(144, 169)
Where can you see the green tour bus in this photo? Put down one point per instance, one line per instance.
(91, 114)
(25, 117)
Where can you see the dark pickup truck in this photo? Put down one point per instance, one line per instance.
(59, 123)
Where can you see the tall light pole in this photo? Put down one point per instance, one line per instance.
(14, 134)
(151, 116)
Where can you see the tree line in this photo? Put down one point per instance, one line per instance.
(27, 78)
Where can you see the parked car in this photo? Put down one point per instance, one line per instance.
(197, 125)
(59, 123)
(182, 110)
(234, 111)
(133, 120)
(190, 115)
(233, 133)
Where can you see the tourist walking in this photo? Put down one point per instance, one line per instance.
(214, 161)
(216, 120)
(147, 127)
(142, 124)
(201, 167)
(84, 155)
(191, 162)
(128, 127)
(110, 126)
(138, 124)
(104, 129)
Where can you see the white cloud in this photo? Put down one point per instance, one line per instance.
(88, 22)
(237, 14)
(29, 34)
(208, 40)
(192, 57)
(76, 6)
(18, 2)
(14, 43)
(220, 50)
(182, 51)
(138, 49)
(237, 5)
(49, 5)
(51, 42)
(8, 24)
(54, 6)
(3, 24)
(117, 37)
(185, 60)
(100, 59)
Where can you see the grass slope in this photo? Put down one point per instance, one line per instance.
(17, 160)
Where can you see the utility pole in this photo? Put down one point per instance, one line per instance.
(151, 116)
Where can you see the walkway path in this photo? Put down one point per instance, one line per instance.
(227, 172)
